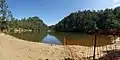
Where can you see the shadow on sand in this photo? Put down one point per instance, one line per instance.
(111, 55)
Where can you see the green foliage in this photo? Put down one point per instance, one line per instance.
(51, 27)
(89, 21)
(4, 12)
(33, 23)
(5, 15)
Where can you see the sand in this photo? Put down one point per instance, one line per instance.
(12, 48)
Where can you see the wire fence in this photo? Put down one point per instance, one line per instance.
(107, 52)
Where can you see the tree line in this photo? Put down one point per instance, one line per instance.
(7, 21)
(89, 21)
(31, 23)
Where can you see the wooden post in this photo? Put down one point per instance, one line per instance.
(65, 39)
(94, 47)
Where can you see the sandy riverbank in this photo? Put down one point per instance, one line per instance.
(12, 48)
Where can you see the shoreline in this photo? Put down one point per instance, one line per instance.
(12, 48)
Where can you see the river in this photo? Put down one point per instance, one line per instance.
(58, 38)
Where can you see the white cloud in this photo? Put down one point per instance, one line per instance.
(116, 5)
(116, 0)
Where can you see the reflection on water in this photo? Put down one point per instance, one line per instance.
(58, 38)
(30, 36)
(51, 39)
(81, 39)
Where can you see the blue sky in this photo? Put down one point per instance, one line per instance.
(52, 11)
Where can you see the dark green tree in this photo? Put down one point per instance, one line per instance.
(87, 21)
(5, 14)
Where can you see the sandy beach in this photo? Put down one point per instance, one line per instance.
(12, 48)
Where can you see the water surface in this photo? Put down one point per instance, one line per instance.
(58, 38)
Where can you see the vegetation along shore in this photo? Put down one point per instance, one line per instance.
(74, 37)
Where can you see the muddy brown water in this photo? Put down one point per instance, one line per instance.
(58, 38)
